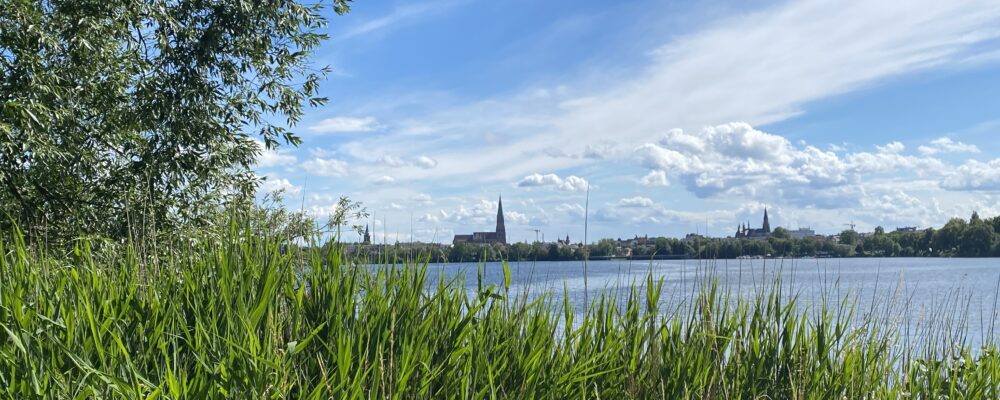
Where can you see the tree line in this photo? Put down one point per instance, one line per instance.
(975, 237)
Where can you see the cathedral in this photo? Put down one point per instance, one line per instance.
(498, 236)
(744, 231)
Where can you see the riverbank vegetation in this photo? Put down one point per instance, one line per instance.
(238, 314)
(976, 237)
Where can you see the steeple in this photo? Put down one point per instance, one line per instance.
(767, 224)
(368, 237)
(501, 230)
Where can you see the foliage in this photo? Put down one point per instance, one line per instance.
(118, 114)
(248, 316)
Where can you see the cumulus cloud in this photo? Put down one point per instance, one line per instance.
(344, 124)
(974, 175)
(571, 183)
(383, 180)
(271, 184)
(946, 145)
(516, 217)
(891, 148)
(737, 160)
(325, 167)
(737, 157)
(655, 178)
(425, 162)
(636, 202)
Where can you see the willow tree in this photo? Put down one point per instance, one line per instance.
(119, 113)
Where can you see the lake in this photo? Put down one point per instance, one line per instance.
(914, 293)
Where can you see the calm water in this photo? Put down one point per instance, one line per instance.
(912, 293)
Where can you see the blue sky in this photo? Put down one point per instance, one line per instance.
(681, 117)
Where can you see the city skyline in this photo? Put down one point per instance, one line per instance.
(689, 117)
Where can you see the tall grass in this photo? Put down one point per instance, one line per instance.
(247, 317)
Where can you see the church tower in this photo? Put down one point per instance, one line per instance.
(368, 237)
(767, 224)
(501, 230)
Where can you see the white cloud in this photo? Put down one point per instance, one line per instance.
(344, 124)
(272, 157)
(383, 180)
(636, 202)
(655, 178)
(430, 218)
(760, 67)
(891, 148)
(272, 184)
(392, 161)
(571, 183)
(516, 217)
(425, 162)
(946, 145)
(575, 210)
(737, 160)
(974, 175)
(325, 167)
(737, 157)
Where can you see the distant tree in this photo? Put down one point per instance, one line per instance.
(976, 240)
(926, 243)
(663, 246)
(994, 223)
(849, 237)
(604, 247)
(946, 240)
(781, 233)
(879, 230)
(146, 113)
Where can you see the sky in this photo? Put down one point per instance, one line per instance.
(680, 117)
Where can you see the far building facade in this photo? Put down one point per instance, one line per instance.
(745, 232)
(497, 236)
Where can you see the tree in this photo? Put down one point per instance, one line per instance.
(781, 233)
(146, 113)
(849, 237)
(946, 240)
(663, 246)
(976, 240)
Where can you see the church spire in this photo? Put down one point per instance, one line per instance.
(501, 230)
(767, 224)
(368, 237)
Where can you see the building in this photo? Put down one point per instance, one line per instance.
(498, 236)
(745, 232)
(368, 237)
(802, 233)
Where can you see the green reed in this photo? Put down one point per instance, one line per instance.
(249, 317)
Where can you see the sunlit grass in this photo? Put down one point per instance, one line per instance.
(245, 317)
